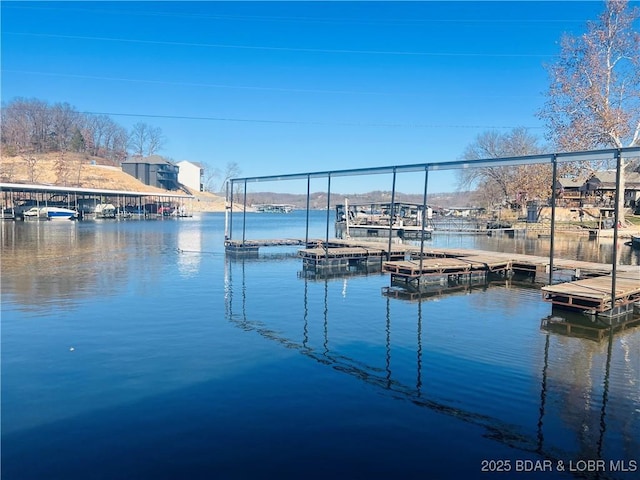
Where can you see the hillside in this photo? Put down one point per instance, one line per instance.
(318, 200)
(78, 170)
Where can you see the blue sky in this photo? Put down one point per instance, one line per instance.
(288, 87)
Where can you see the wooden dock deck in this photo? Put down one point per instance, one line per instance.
(339, 253)
(446, 265)
(532, 263)
(253, 246)
(594, 294)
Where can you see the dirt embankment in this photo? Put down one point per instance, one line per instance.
(79, 170)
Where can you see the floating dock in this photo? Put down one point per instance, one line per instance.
(594, 295)
(345, 253)
(252, 247)
(586, 287)
(446, 266)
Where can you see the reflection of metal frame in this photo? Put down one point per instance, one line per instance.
(376, 376)
(605, 392)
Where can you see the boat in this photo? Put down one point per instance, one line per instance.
(373, 219)
(32, 213)
(51, 213)
(105, 210)
(274, 208)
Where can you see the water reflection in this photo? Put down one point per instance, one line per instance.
(591, 327)
(58, 264)
(190, 247)
(46, 263)
(584, 352)
(567, 384)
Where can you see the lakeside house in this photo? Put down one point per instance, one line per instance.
(153, 170)
(191, 175)
(597, 190)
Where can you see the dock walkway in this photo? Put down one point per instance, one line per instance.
(513, 261)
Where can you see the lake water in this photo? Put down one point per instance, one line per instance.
(138, 350)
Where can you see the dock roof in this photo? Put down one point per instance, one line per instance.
(34, 187)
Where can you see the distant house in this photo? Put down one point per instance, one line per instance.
(602, 185)
(570, 191)
(153, 170)
(598, 189)
(191, 175)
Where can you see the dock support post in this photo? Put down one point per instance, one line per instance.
(392, 212)
(616, 217)
(230, 193)
(424, 215)
(326, 240)
(346, 216)
(306, 235)
(554, 162)
(226, 213)
(244, 213)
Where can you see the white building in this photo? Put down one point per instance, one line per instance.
(191, 175)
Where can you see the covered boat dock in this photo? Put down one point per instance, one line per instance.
(16, 198)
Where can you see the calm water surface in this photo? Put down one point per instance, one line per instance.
(137, 350)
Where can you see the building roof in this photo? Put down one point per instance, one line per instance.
(571, 182)
(34, 187)
(199, 165)
(607, 179)
(151, 160)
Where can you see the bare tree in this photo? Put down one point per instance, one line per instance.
(118, 146)
(27, 125)
(98, 127)
(62, 168)
(145, 139)
(593, 99)
(16, 129)
(211, 175)
(115, 142)
(32, 163)
(512, 184)
(156, 140)
(39, 117)
(64, 121)
(138, 138)
(33, 126)
(231, 170)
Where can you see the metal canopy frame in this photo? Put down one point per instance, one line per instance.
(611, 154)
(589, 156)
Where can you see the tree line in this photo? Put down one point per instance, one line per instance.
(32, 126)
